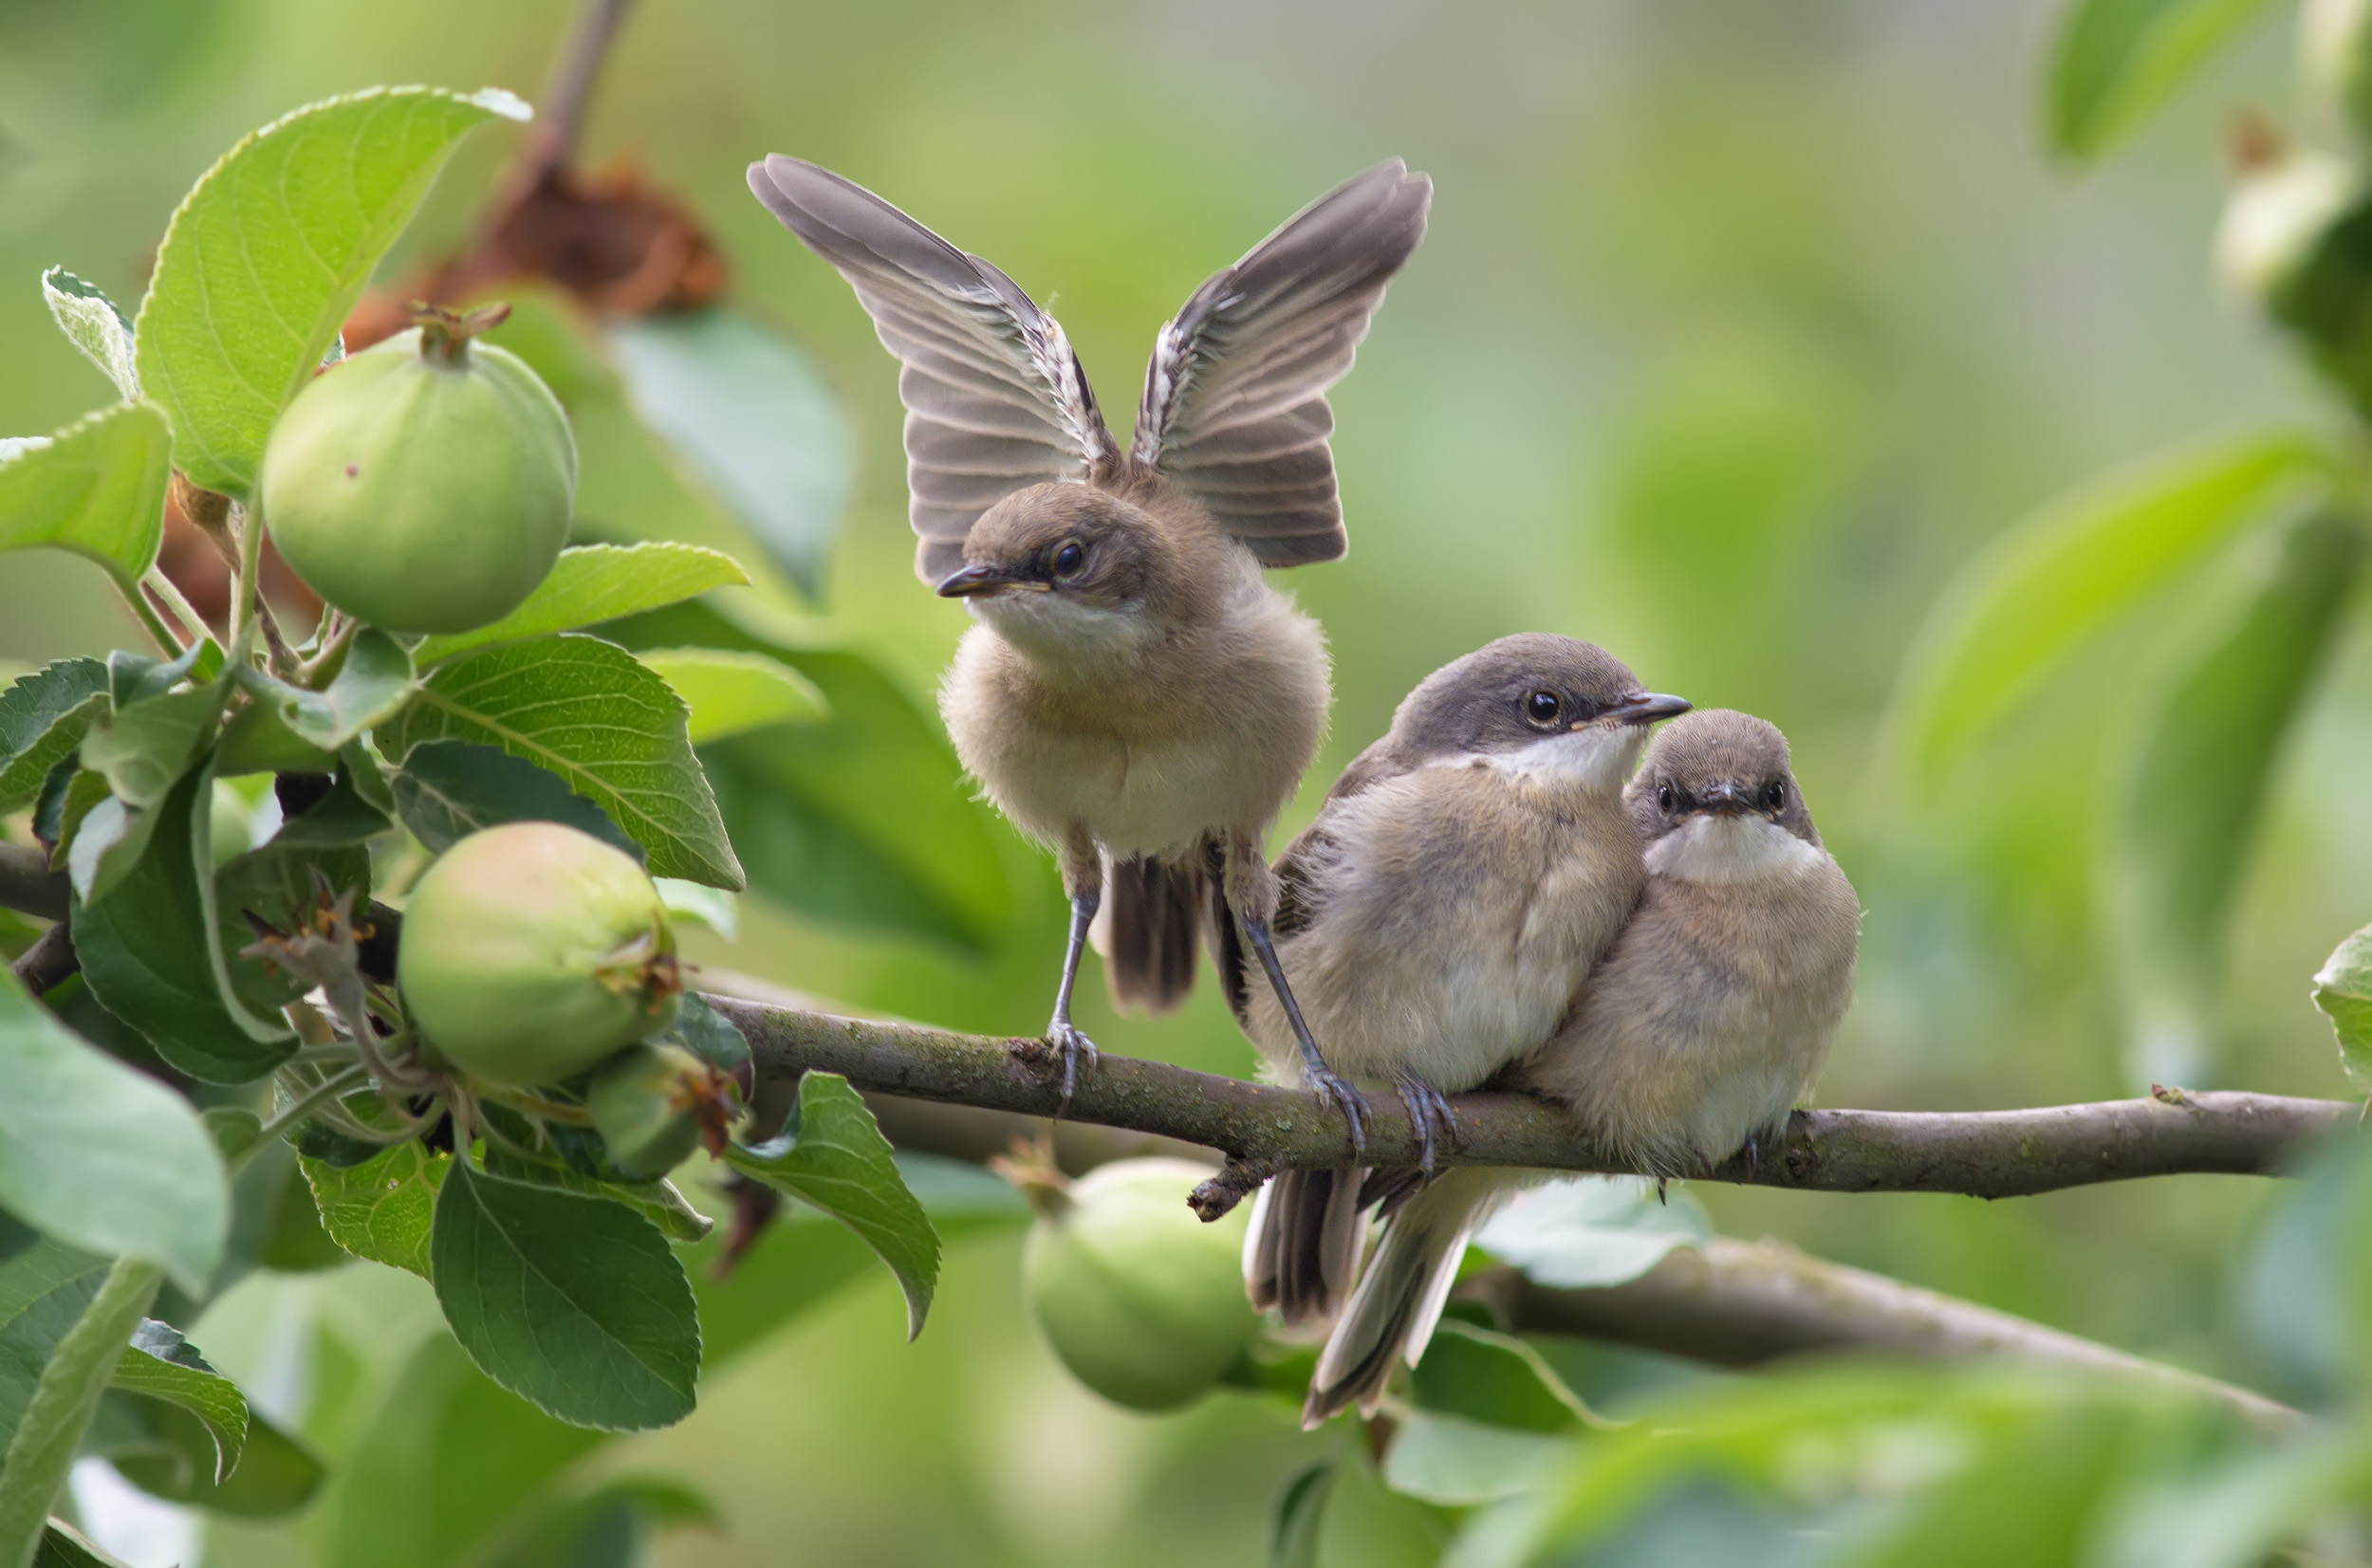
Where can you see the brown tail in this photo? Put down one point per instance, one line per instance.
(1302, 1253)
(1157, 914)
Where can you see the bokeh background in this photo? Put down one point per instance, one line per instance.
(1739, 328)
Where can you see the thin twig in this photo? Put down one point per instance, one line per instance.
(247, 591)
(29, 886)
(169, 593)
(303, 1106)
(1263, 1129)
(568, 93)
(153, 623)
(45, 965)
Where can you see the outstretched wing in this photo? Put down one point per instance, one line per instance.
(995, 399)
(1235, 408)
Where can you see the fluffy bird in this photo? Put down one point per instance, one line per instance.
(1465, 875)
(1134, 695)
(1692, 1041)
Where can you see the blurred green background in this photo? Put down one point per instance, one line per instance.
(1739, 328)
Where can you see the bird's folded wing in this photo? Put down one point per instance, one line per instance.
(995, 399)
(1235, 405)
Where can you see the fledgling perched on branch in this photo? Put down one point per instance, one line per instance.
(1697, 1035)
(1135, 694)
(1465, 875)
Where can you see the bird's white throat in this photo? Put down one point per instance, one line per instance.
(1059, 628)
(1595, 759)
(1743, 848)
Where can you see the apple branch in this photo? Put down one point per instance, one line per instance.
(1262, 1129)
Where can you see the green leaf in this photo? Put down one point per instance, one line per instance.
(1359, 1521)
(344, 818)
(162, 1447)
(711, 1035)
(96, 487)
(2242, 1513)
(95, 325)
(161, 1364)
(153, 956)
(1293, 1538)
(588, 711)
(831, 1154)
(863, 817)
(1495, 1380)
(659, 1200)
(595, 582)
(373, 683)
(1456, 1463)
(42, 1446)
(380, 1208)
(2197, 788)
(2046, 588)
(99, 1155)
(269, 253)
(2114, 61)
(732, 693)
(605, 1528)
(447, 790)
(43, 1291)
(42, 717)
(574, 1304)
(719, 911)
(1586, 1231)
(2342, 988)
(143, 748)
(446, 1461)
(751, 421)
(64, 1546)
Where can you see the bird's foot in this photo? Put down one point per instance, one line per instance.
(1343, 1095)
(1428, 1113)
(1072, 1045)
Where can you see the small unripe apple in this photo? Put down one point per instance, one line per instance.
(530, 951)
(424, 484)
(655, 1105)
(1143, 1301)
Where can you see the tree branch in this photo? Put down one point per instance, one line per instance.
(1728, 1302)
(28, 884)
(1263, 1129)
(1738, 1304)
(568, 92)
(47, 962)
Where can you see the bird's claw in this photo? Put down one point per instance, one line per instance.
(1343, 1095)
(1071, 1045)
(1430, 1114)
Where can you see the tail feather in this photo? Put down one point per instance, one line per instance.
(1302, 1251)
(1392, 1314)
(1155, 914)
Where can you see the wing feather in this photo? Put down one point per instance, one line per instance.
(995, 399)
(1235, 405)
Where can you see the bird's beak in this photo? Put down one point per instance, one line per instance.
(980, 579)
(1647, 708)
(1727, 798)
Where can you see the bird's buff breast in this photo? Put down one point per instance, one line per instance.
(1142, 769)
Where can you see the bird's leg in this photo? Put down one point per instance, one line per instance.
(1252, 892)
(1082, 877)
(1428, 1113)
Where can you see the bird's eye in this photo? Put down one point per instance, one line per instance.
(1070, 558)
(1776, 795)
(1542, 708)
(1665, 800)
